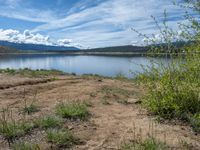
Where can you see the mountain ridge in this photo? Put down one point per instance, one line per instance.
(35, 47)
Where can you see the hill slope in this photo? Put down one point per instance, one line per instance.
(5, 49)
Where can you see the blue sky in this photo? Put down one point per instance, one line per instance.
(83, 23)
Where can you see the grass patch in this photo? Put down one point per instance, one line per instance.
(62, 138)
(49, 122)
(73, 110)
(148, 144)
(115, 90)
(12, 130)
(32, 73)
(32, 108)
(25, 146)
(118, 94)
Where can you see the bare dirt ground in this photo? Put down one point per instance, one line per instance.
(115, 116)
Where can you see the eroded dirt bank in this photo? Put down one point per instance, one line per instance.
(115, 114)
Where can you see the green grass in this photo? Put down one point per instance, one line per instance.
(73, 110)
(118, 94)
(25, 146)
(116, 90)
(12, 130)
(32, 73)
(49, 122)
(61, 138)
(148, 144)
(32, 108)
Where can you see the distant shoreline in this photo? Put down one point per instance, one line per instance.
(79, 53)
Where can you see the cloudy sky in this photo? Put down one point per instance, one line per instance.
(83, 23)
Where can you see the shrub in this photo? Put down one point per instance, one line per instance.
(173, 89)
(174, 92)
(73, 110)
(195, 122)
(62, 138)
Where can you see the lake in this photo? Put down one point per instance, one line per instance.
(101, 65)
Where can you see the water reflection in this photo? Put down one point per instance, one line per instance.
(102, 65)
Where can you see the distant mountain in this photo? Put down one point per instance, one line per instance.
(127, 48)
(36, 47)
(5, 49)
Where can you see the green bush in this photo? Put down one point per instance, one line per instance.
(174, 91)
(62, 138)
(74, 110)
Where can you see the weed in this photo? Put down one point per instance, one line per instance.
(62, 138)
(32, 73)
(30, 108)
(11, 129)
(148, 144)
(25, 146)
(115, 90)
(195, 122)
(49, 122)
(73, 110)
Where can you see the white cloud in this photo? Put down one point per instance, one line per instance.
(31, 38)
(107, 24)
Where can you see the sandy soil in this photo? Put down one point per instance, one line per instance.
(111, 122)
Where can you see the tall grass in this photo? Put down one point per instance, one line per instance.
(10, 129)
(72, 110)
(148, 144)
(62, 138)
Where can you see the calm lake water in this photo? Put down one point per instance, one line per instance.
(101, 65)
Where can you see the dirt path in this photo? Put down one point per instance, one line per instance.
(115, 117)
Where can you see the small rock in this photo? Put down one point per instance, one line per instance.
(133, 101)
(70, 127)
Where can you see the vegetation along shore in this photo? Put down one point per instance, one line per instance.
(50, 109)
